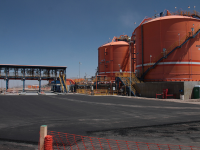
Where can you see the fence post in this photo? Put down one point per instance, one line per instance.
(43, 133)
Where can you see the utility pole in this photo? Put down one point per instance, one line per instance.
(79, 70)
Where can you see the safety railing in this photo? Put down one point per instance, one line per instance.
(171, 48)
(186, 13)
(61, 83)
(134, 78)
(65, 141)
(84, 91)
(191, 13)
(97, 91)
(122, 74)
(64, 82)
(125, 77)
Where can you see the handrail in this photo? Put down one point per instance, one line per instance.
(175, 44)
(61, 82)
(64, 82)
(125, 78)
(186, 40)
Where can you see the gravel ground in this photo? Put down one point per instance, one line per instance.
(6, 145)
(187, 134)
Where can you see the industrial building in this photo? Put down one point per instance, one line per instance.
(160, 58)
(163, 53)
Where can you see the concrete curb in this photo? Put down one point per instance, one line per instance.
(191, 101)
(22, 93)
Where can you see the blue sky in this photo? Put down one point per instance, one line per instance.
(64, 32)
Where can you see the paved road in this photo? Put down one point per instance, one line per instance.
(21, 116)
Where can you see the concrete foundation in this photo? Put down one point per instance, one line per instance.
(149, 89)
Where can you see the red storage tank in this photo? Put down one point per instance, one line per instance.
(158, 37)
(111, 58)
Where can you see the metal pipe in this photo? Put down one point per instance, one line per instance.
(130, 69)
(142, 49)
(96, 83)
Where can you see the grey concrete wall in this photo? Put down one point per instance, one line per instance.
(188, 88)
(149, 89)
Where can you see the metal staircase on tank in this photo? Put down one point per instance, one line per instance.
(63, 83)
(170, 50)
(125, 79)
(135, 80)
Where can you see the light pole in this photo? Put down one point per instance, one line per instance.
(79, 69)
(85, 81)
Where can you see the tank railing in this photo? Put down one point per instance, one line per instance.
(170, 53)
(187, 38)
(187, 13)
(175, 44)
(162, 54)
(190, 13)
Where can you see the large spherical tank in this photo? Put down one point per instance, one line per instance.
(110, 58)
(157, 37)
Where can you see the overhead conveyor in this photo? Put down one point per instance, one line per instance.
(31, 72)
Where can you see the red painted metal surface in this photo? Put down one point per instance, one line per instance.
(168, 32)
(111, 56)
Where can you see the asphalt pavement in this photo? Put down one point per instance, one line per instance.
(21, 116)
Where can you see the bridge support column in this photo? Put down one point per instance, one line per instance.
(7, 80)
(23, 85)
(40, 85)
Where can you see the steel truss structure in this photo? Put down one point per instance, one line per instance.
(30, 72)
